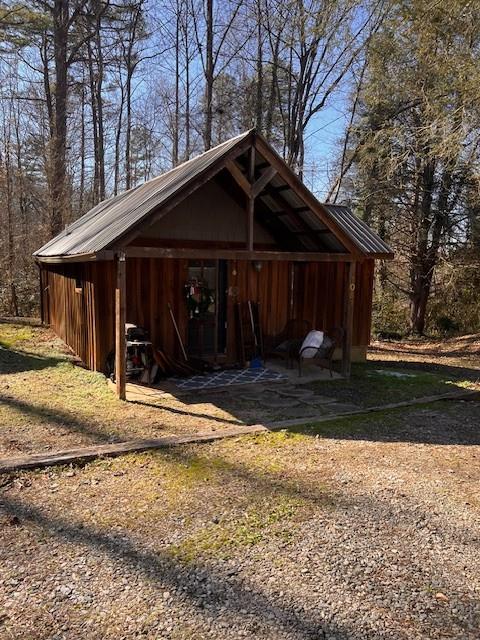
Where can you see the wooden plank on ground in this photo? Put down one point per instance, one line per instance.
(452, 395)
(86, 454)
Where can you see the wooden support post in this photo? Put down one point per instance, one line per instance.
(250, 211)
(348, 308)
(120, 319)
(40, 276)
(250, 200)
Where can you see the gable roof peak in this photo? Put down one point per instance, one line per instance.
(113, 221)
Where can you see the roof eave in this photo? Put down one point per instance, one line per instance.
(384, 256)
(306, 195)
(76, 257)
(381, 256)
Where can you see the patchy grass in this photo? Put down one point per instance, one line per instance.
(47, 402)
(199, 536)
(372, 384)
(355, 426)
(14, 335)
(457, 354)
(258, 486)
(392, 426)
(260, 523)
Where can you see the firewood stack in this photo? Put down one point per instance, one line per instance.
(168, 366)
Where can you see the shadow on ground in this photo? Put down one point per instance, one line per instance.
(199, 583)
(368, 387)
(12, 361)
(190, 583)
(446, 422)
(244, 404)
(63, 419)
(456, 371)
(461, 347)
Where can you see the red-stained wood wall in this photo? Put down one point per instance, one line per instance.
(85, 319)
(69, 306)
(319, 296)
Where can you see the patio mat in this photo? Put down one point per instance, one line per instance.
(227, 378)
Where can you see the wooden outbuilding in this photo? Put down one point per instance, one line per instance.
(235, 217)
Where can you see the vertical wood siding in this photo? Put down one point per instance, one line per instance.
(270, 287)
(86, 321)
(319, 296)
(72, 314)
(152, 283)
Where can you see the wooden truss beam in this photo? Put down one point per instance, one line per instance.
(251, 188)
(289, 210)
(308, 198)
(300, 209)
(239, 177)
(235, 254)
(248, 186)
(250, 199)
(261, 183)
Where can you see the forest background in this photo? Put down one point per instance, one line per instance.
(374, 103)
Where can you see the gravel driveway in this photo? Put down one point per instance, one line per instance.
(369, 531)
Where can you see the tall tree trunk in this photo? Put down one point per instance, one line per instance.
(187, 104)
(422, 266)
(82, 152)
(99, 11)
(93, 99)
(209, 78)
(418, 306)
(128, 129)
(259, 97)
(10, 266)
(176, 119)
(272, 90)
(118, 135)
(186, 42)
(20, 176)
(130, 65)
(61, 16)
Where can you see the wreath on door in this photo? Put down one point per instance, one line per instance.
(199, 297)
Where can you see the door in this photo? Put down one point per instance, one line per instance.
(206, 291)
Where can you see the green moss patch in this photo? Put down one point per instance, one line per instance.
(14, 335)
(272, 518)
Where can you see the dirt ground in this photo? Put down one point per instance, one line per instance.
(363, 529)
(49, 403)
(458, 353)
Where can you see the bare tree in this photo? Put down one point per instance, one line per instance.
(215, 28)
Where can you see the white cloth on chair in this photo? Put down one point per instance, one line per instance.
(311, 343)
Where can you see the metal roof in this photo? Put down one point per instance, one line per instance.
(366, 240)
(111, 219)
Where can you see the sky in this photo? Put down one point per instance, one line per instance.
(322, 144)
